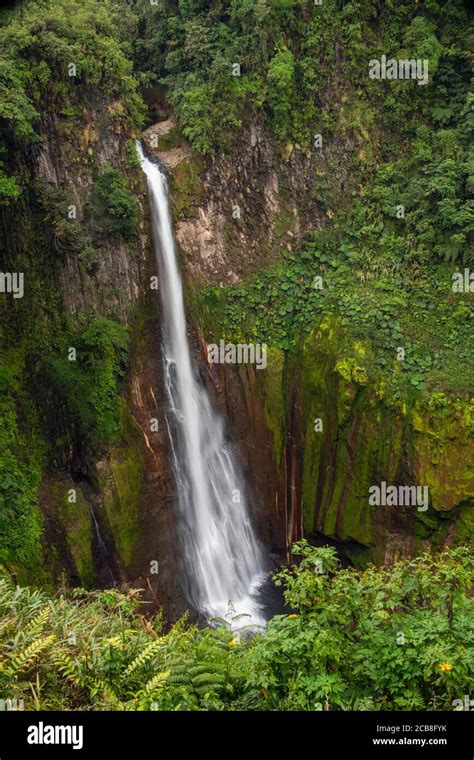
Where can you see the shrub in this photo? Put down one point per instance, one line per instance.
(390, 638)
(114, 205)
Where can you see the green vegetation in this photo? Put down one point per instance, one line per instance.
(383, 213)
(304, 71)
(395, 638)
(68, 235)
(50, 405)
(20, 475)
(84, 390)
(391, 240)
(186, 187)
(381, 308)
(66, 84)
(37, 49)
(76, 521)
(122, 486)
(390, 638)
(114, 205)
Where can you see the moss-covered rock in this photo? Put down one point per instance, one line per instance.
(443, 441)
(120, 479)
(186, 187)
(322, 398)
(75, 520)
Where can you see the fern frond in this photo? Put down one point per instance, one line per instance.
(66, 666)
(207, 667)
(147, 654)
(208, 679)
(182, 667)
(156, 682)
(180, 680)
(25, 659)
(36, 625)
(7, 626)
(418, 703)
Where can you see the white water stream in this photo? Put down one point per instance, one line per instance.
(223, 560)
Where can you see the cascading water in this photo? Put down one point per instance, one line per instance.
(222, 557)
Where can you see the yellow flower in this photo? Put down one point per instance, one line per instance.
(292, 616)
(445, 666)
(233, 642)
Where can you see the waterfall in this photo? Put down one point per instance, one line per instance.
(222, 558)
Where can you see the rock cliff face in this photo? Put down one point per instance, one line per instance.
(107, 514)
(233, 216)
(316, 482)
(66, 159)
(308, 482)
(237, 213)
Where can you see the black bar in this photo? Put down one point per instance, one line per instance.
(373, 734)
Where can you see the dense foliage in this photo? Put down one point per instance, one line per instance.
(303, 70)
(376, 303)
(20, 475)
(39, 45)
(396, 638)
(114, 204)
(390, 638)
(61, 63)
(52, 404)
(83, 390)
(386, 274)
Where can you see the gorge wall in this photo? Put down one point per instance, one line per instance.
(87, 492)
(309, 482)
(100, 499)
(302, 482)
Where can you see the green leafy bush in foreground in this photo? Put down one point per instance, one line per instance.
(392, 638)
